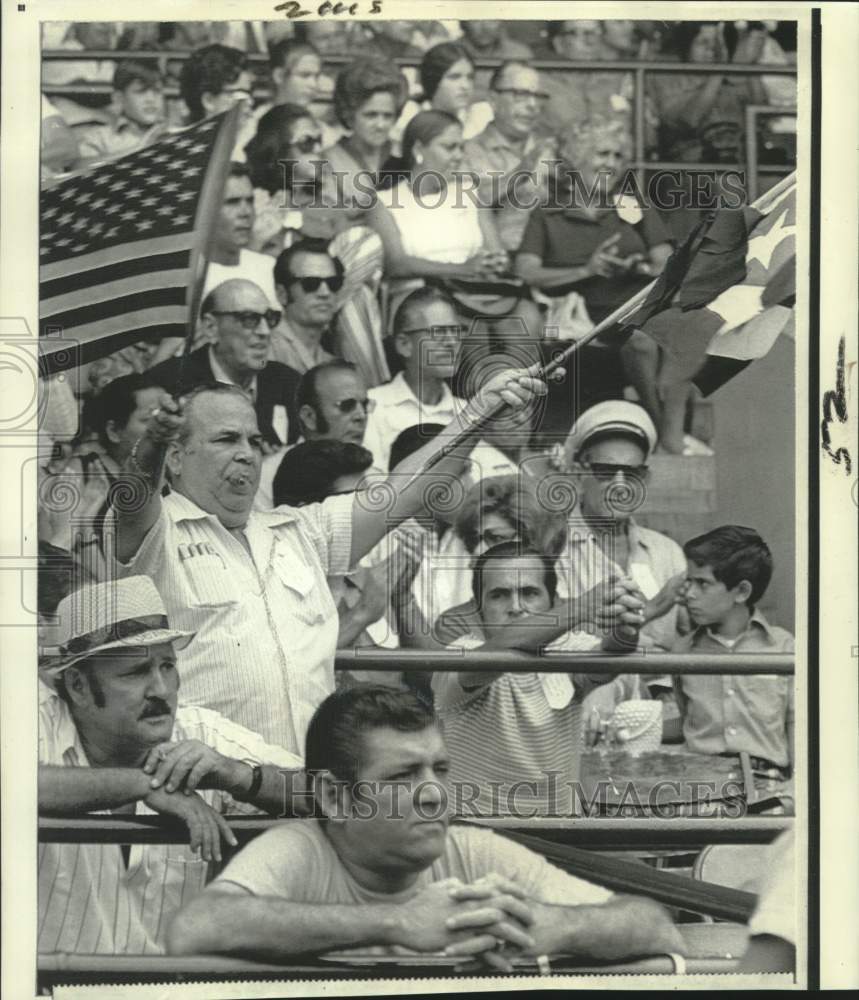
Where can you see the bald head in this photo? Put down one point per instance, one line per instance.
(238, 321)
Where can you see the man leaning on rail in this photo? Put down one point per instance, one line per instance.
(111, 739)
(380, 871)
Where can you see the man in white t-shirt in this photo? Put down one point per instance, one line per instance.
(230, 257)
(381, 870)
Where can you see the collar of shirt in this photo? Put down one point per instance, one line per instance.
(399, 392)
(220, 375)
(757, 622)
(311, 356)
(122, 123)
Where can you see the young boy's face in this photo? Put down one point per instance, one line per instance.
(142, 102)
(707, 599)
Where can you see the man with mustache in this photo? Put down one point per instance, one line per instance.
(253, 584)
(112, 739)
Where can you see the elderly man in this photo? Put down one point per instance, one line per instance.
(512, 162)
(307, 279)
(517, 737)
(238, 324)
(253, 584)
(381, 870)
(111, 739)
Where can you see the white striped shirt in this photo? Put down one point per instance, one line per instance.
(510, 750)
(266, 623)
(89, 901)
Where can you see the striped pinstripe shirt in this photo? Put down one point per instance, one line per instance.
(89, 901)
(266, 622)
(511, 752)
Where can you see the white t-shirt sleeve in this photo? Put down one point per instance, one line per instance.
(286, 861)
(775, 913)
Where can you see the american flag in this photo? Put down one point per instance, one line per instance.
(121, 245)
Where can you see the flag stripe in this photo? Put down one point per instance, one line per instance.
(104, 292)
(165, 263)
(116, 254)
(65, 357)
(86, 315)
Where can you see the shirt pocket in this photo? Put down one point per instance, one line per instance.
(765, 697)
(209, 581)
(311, 600)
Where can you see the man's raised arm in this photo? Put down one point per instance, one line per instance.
(515, 387)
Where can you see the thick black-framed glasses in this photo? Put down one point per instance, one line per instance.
(334, 282)
(250, 320)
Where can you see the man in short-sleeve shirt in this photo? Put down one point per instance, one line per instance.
(382, 870)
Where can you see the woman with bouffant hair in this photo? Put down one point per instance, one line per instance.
(369, 95)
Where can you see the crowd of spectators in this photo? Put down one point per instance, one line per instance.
(276, 514)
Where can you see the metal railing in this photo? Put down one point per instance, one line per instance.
(479, 661)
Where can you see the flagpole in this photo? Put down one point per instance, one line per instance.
(205, 222)
(544, 372)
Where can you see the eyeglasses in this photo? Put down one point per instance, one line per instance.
(347, 406)
(523, 95)
(249, 320)
(308, 144)
(605, 471)
(333, 282)
(436, 331)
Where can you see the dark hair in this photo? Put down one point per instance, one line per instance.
(116, 402)
(437, 61)
(287, 50)
(307, 393)
(424, 127)
(734, 554)
(512, 550)
(407, 442)
(283, 264)
(59, 573)
(414, 302)
(512, 497)
(307, 472)
(131, 71)
(360, 79)
(499, 71)
(208, 71)
(334, 739)
(271, 144)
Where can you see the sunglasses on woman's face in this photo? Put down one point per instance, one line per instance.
(308, 144)
(606, 471)
(347, 406)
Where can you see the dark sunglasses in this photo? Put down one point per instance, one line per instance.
(348, 406)
(251, 320)
(334, 283)
(606, 472)
(308, 144)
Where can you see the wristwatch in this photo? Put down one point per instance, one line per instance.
(256, 780)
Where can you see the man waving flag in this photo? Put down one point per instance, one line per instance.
(727, 293)
(122, 245)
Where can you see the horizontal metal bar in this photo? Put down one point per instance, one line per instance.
(566, 65)
(600, 833)
(718, 168)
(65, 968)
(479, 661)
